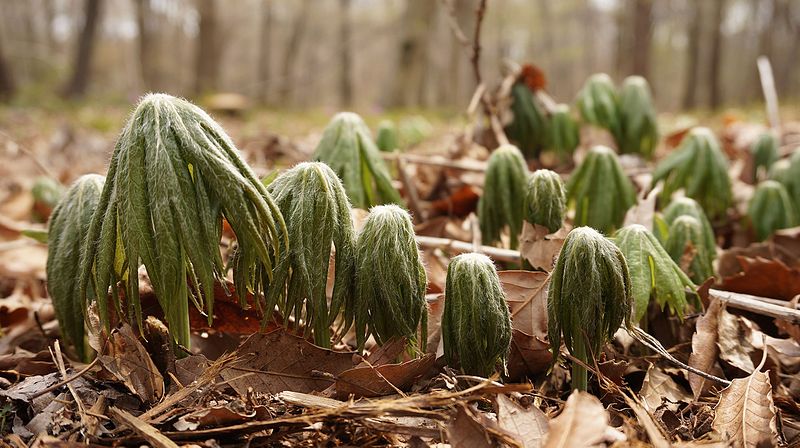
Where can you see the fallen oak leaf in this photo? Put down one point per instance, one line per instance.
(529, 426)
(762, 277)
(539, 247)
(658, 387)
(582, 423)
(130, 363)
(529, 355)
(526, 295)
(705, 349)
(376, 381)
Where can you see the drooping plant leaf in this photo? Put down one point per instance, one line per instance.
(347, 148)
(66, 241)
(637, 117)
(788, 174)
(771, 209)
(386, 137)
(599, 191)
(317, 214)
(683, 206)
(476, 326)
(390, 280)
(687, 245)
(700, 168)
(599, 104)
(654, 275)
(564, 134)
(545, 200)
(503, 197)
(529, 126)
(589, 297)
(764, 152)
(174, 175)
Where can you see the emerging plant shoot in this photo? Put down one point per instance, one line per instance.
(501, 205)
(545, 200)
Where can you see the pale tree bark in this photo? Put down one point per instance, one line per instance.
(265, 52)
(413, 52)
(345, 55)
(714, 81)
(692, 65)
(292, 51)
(81, 68)
(642, 37)
(7, 85)
(206, 60)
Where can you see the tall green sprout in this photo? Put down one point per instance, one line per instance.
(789, 176)
(545, 200)
(764, 152)
(638, 118)
(529, 126)
(684, 206)
(654, 276)
(600, 192)
(700, 168)
(686, 235)
(317, 213)
(390, 280)
(771, 209)
(347, 148)
(599, 104)
(386, 137)
(174, 175)
(588, 299)
(564, 133)
(501, 205)
(67, 228)
(476, 325)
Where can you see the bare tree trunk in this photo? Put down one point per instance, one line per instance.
(624, 44)
(346, 59)
(264, 52)
(145, 45)
(588, 19)
(76, 87)
(413, 53)
(692, 65)
(7, 85)
(714, 86)
(546, 47)
(207, 51)
(642, 37)
(292, 50)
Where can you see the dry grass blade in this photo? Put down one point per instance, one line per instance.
(745, 414)
(582, 423)
(148, 432)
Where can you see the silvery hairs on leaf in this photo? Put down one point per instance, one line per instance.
(476, 325)
(700, 168)
(600, 191)
(173, 176)
(686, 234)
(545, 200)
(771, 209)
(66, 241)
(390, 280)
(653, 273)
(317, 213)
(347, 148)
(589, 296)
(501, 204)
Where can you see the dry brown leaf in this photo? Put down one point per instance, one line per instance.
(278, 361)
(645, 209)
(659, 387)
(231, 413)
(733, 338)
(465, 431)
(790, 329)
(526, 294)
(461, 203)
(529, 426)
(127, 359)
(582, 423)
(654, 432)
(529, 355)
(368, 381)
(539, 247)
(435, 310)
(765, 278)
(705, 349)
(745, 414)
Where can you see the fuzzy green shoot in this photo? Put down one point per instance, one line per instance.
(689, 207)
(545, 200)
(771, 209)
(638, 118)
(564, 133)
(687, 238)
(476, 325)
(386, 137)
(501, 205)
(599, 104)
(764, 152)
(529, 127)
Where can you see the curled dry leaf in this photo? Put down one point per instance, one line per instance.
(745, 414)
(540, 247)
(529, 426)
(466, 431)
(526, 294)
(127, 359)
(369, 381)
(705, 349)
(659, 387)
(734, 341)
(582, 423)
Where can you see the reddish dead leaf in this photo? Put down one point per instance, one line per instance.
(529, 355)
(526, 295)
(533, 77)
(278, 361)
(466, 431)
(370, 381)
(705, 349)
(230, 414)
(528, 426)
(127, 359)
(762, 277)
(461, 203)
(673, 139)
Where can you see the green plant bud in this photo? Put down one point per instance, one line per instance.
(529, 127)
(765, 152)
(347, 148)
(174, 175)
(684, 206)
(317, 213)
(503, 195)
(386, 137)
(564, 132)
(476, 325)
(779, 171)
(414, 130)
(66, 241)
(589, 297)
(599, 104)
(686, 232)
(390, 280)
(600, 192)
(699, 167)
(771, 209)
(545, 200)
(638, 117)
(47, 191)
(790, 177)
(653, 273)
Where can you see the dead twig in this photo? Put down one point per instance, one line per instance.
(66, 381)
